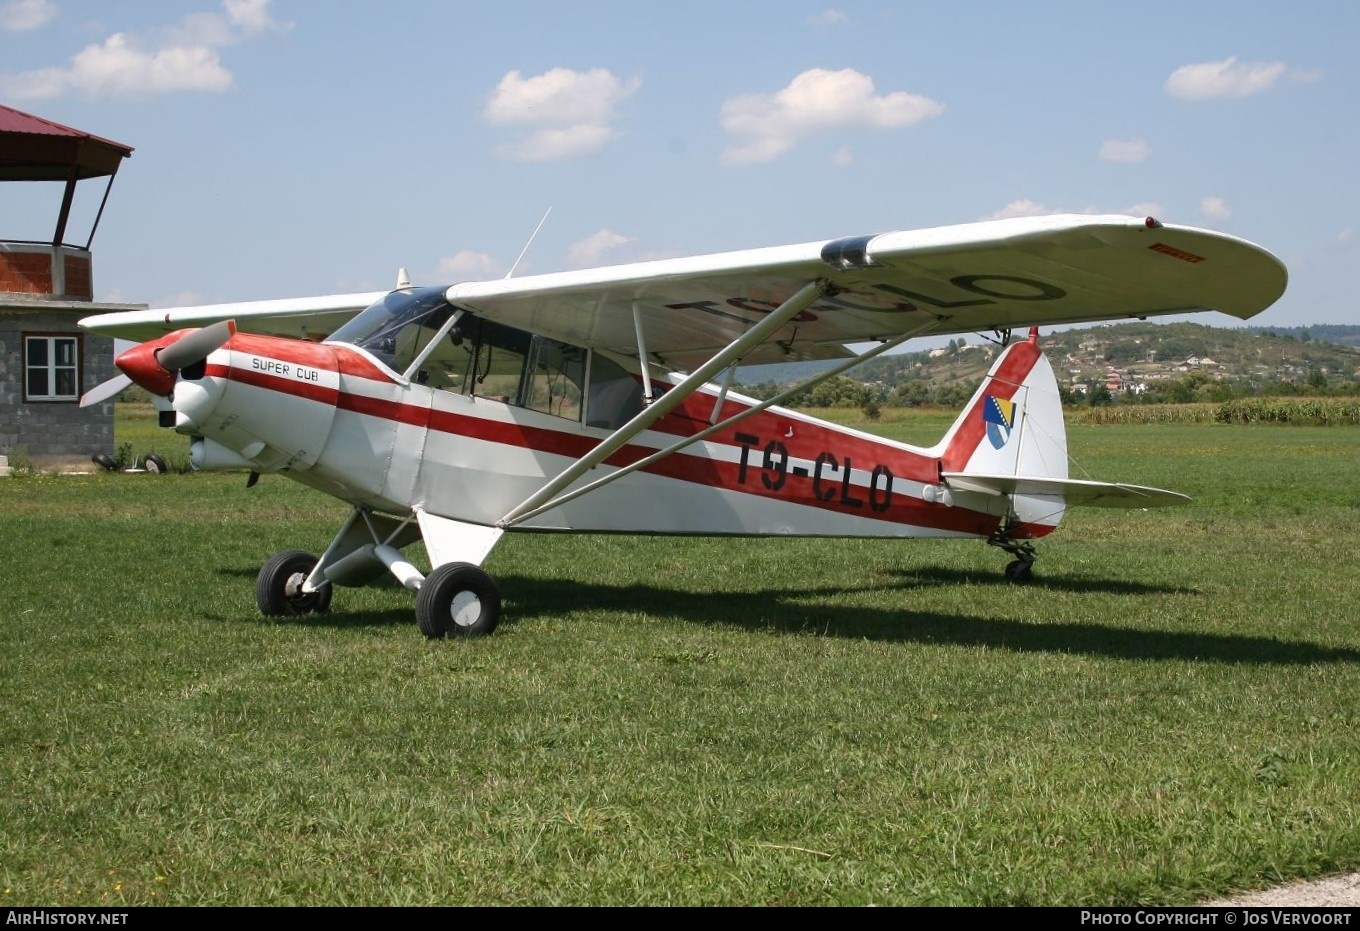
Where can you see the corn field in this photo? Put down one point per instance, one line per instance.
(1315, 412)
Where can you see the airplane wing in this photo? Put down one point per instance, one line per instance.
(312, 318)
(976, 277)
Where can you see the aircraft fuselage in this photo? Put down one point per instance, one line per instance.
(332, 417)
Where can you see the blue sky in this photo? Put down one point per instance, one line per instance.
(290, 148)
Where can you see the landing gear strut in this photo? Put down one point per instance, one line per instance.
(1021, 569)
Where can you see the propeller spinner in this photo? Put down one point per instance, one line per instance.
(154, 365)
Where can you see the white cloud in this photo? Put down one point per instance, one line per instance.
(591, 250)
(1020, 208)
(816, 101)
(1215, 207)
(1146, 209)
(568, 113)
(547, 145)
(1127, 151)
(22, 15)
(1347, 235)
(829, 18)
(180, 57)
(1030, 208)
(181, 299)
(1227, 78)
(471, 266)
(843, 157)
(252, 15)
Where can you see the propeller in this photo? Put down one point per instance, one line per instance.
(104, 390)
(155, 364)
(194, 346)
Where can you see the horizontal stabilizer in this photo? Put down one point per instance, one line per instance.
(1072, 491)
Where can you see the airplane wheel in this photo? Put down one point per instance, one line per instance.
(458, 600)
(1019, 572)
(278, 587)
(154, 463)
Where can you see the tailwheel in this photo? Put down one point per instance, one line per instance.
(278, 587)
(458, 600)
(1021, 569)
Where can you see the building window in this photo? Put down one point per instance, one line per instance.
(51, 368)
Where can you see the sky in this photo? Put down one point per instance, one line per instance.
(287, 148)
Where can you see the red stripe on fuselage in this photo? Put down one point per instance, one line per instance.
(790, 440)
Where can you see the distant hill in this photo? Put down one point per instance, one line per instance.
(1125, 357)
(1341, 334)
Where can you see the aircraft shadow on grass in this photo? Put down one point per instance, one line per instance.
(782, 610)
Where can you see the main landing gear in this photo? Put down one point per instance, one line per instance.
(1020, 570)
(278, 587)
(457, 599)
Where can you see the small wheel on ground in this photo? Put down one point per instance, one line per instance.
(154, 463)
(458, 600)
(1019, 571)
(278, 587)
(105, 462)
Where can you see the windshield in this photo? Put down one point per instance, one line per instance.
(397, 326)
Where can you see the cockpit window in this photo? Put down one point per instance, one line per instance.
(397, 326)
(486, 359)
(553, 378)
(494, 359)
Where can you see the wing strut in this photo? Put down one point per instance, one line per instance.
(898, 340)
(642, 357)
(672, 399)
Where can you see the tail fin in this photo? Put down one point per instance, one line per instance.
(1014, 423)
(1011, 441)
(1012, 427)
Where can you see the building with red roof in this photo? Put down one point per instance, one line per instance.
(46, 286)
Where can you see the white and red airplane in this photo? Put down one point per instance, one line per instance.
(599, 401)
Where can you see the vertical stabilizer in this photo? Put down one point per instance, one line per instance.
(1013, 426)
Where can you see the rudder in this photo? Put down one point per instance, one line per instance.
(1013, 425)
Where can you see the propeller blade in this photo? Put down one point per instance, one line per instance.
(194, 347)
(104, 390)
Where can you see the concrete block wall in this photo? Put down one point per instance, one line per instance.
(52, 434)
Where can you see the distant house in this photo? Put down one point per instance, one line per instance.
(46, 287)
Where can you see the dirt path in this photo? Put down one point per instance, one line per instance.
(1334, 892)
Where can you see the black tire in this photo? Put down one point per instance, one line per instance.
(154, 463)
(458, 600)
(105, 462)
(1019, 572)
(278, 586)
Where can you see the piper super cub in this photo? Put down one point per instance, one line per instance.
(599, 400)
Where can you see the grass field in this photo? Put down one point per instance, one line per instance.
(1169, 712)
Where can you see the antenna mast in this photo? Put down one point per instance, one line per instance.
(529, 243)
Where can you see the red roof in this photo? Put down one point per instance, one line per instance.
(35, 149)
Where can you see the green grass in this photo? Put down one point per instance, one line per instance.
(1168, 713)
